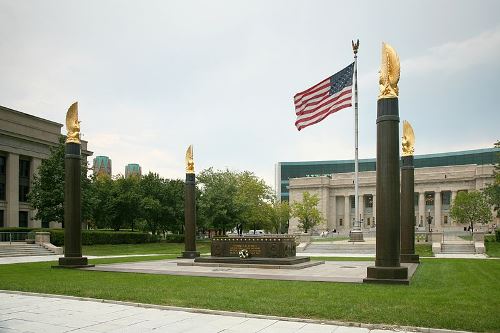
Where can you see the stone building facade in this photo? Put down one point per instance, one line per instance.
(25, 140)
(435, 188)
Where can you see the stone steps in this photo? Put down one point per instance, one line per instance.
(341, 248)
(22, 250)
(458, 248)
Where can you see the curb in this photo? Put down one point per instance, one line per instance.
(395, 328)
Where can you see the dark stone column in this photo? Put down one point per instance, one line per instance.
(190, 218)
(72, 209)
(387, 267)
(408, 211)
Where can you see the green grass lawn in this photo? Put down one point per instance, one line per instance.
(444, 293)
(424, 250)
(492, 249)
(148, 248)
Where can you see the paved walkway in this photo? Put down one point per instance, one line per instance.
(32, 313)
(55, 257)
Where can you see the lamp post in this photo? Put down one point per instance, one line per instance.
(429, 219)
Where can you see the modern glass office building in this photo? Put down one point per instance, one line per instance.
(102, 166)
(133, 169)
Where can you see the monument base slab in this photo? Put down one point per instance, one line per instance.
(387, 275)
(356, 236)
(410, 258)
(189, 254)
(73, 262)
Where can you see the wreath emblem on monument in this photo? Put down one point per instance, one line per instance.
(244, 254)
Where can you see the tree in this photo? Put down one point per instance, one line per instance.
(103, 199)
(280, 215)
(228, 198)
(218, 206)
(492, 191)
(162, 203)
(47, 190)
(307, 212)
(253, 196)
(471, 207)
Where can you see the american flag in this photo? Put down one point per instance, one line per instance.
(327, 97)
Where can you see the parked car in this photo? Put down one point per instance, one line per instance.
(257, 232)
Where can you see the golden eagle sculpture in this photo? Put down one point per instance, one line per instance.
(189, 160)
(72, 124)
(408, 141)
(389, 73)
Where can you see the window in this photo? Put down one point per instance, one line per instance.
(429, 198)
(415, 199)
(23, 219)
(445, 219)
(2, 177)
(353, 202)
(368, 201)
(368, 221)
(340, 222)
(24, 180)
(446, 198)
(1, 219)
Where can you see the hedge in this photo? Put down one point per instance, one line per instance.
(93, 237)
(16, 229)
(173, 238)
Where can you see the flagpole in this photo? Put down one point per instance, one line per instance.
(356, 233)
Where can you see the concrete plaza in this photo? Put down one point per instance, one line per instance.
(329, 271)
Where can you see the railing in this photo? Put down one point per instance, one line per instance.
(13, 236)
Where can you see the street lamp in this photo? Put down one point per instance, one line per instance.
(429, 219)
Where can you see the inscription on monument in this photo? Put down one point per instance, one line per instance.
(253, 249)
(267, 246)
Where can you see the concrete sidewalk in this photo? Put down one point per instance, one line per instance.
(23, 312)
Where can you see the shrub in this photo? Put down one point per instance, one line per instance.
(16, 229)
(93, 237)
(497, 234)
(173, 238)
(57, 236)
(489, 238)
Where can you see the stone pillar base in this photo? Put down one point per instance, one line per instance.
(387, 275)
(189, 255)
(410, 258)
(356, 236)
(73, 262)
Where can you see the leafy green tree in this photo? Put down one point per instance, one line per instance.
(253, 196)
(228, 198)
(124, 203)
(307, 212)
(471, 207)
(103, 195)
(280, 215)
(47, 190)
(493, 190)
(218, 205)
(162, 203)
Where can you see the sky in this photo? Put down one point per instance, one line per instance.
(153, 77)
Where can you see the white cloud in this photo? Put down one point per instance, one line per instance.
(456, 56)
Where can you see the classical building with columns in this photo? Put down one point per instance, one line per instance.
(25, 140)
(438, 179)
